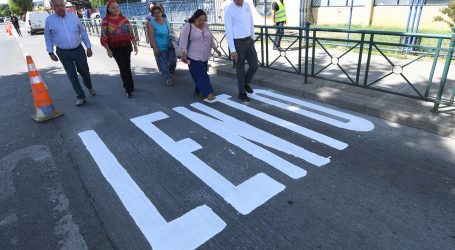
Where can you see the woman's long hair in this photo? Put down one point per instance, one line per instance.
(196, 15)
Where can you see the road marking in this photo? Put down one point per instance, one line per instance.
(352, 122)
(282, 123)
(186, 232)
(235, 130)
(244, 198)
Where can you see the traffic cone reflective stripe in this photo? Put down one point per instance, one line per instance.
(43, 103)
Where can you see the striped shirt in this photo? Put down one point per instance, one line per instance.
(116, 32)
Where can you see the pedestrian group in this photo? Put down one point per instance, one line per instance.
(65, 31)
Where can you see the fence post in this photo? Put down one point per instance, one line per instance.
(97, 22)
(313, 53)
(433, 67)
(266, 47)
(262, 46)
(359, 64)
(370, 50)
(307, 43)
(445, 72)
(300, 51)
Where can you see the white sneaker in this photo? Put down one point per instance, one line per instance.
(80, 102)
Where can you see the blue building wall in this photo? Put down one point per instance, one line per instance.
(176, 11)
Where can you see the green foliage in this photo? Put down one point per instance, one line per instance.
(449, 15)
(97, 3)
(4, 10)
(20, 7)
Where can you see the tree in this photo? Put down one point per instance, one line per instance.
(4, 10)
(20, 7)
(97, 3)
(449, 15)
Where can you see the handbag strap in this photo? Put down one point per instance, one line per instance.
(188, 42)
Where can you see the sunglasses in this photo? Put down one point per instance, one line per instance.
(156, 12)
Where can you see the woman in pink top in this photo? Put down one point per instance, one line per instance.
(196, 43)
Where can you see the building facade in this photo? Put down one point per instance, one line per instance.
(378, 13)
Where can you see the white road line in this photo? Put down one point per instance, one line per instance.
(283, 123)
(244, 198)
(226, 125)
(233, 137)
(186, 232)
(353, 122)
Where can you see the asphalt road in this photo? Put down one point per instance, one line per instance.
(167, 169)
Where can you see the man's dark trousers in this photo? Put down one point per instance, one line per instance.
(279, 34)
(245, 51)
(75, 61)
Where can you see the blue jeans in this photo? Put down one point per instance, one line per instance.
(198, 71)
(75, 61)
(167, 62)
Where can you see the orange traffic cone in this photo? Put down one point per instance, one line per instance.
(7, 28)
(10, 30)
(43, 103)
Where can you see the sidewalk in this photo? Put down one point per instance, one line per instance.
(394, 108)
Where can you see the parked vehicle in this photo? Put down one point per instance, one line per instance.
(35, 21)
(7, 19)
(1, 19)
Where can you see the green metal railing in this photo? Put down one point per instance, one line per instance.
(311, 51)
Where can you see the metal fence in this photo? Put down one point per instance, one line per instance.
(376, 60)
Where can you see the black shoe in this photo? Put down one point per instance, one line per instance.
(129, 95)
(248, 88)
(244, 97)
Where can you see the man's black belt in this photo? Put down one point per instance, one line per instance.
(243, 39)
(70, 49)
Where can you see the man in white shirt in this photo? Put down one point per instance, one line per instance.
(239, 27)
(65, 31)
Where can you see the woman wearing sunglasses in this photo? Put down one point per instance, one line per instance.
(159, 31)
(117, 36)
(196, 44)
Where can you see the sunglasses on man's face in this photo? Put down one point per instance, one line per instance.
(156, 12)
